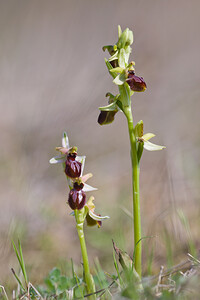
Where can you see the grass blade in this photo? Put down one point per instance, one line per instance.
(22, 263)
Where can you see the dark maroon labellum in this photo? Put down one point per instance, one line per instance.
(73, 167)
(106, 117)
(136, 83)
(77, 199)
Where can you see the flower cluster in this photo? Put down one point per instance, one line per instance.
(73, 166)
(124, 77)
(123, 72)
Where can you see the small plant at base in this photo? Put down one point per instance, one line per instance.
(124, 77)
(73, 166)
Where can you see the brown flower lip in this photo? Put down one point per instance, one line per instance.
(77, 197)
(72, 166)
(106, 117)
(136, 83)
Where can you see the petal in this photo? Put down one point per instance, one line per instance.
(88, 188)
(152, 147)
(97, 217)
(57, 159)
(85, 177)
(90, 203)
(65, 141)
(147, 136)
(81, 159)
(63, 150)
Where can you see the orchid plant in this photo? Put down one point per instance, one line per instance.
(82, 210)
(123, 73)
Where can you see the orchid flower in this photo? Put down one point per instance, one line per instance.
(65, 151)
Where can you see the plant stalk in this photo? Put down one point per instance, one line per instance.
(135, 185)
(88, 277)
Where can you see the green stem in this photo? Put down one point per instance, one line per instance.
(135, 180)
(88, 277)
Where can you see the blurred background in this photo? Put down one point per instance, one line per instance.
(53, 78)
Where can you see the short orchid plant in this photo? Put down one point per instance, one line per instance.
(81, 208)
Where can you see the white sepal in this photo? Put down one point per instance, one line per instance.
(81, 159)
(88, 188)
(152, 147)
(148, 136)
(57, 159)
(65, 140)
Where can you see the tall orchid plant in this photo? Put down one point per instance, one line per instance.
(123, 73)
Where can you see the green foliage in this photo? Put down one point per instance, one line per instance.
(62, 287)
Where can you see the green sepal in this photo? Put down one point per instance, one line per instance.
(123, 39)
(130, 39)
(122, 58)
(114, 56)
(127, 54)
(119, 104)
(109, 66)
(109, 107)
(139, 129)
(109, 48)
(120, 79)
(117, 69)
(140, 150)
(125, 94)
(119, 31)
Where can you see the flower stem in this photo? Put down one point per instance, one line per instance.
(135, 183)
(88, 277)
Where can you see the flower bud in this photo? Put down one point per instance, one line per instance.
(137, 84)
(77, 197)
(72, 166)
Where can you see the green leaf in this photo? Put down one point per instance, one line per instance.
(23, 264)
(64, 284)
(54, 275)
(20, 260)
(18, 280)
